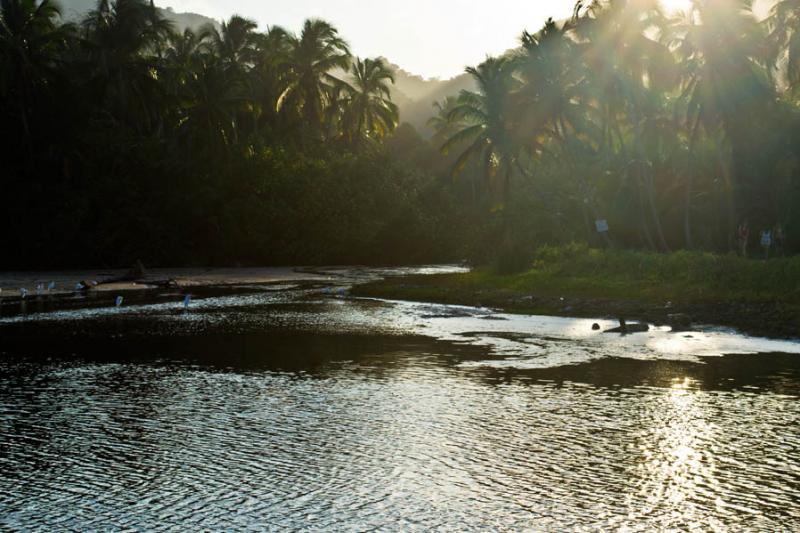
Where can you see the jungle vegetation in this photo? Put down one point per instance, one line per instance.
(123, 139)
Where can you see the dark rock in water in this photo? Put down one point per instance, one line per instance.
(595, 327)
(624, 328)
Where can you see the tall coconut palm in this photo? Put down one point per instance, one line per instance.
(783, 24)
(369, 111)
(312, 57)
(269, 76)
(235, 43)
(721, 50)
(186, 50)
(549, 97)
(628, 71)
(31, 42)
(487, 116)
(120, 40)
(443, 127)
(212, 100)
(553, 106)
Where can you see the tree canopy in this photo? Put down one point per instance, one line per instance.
(122, 138)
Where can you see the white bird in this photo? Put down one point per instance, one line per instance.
(23, 293)
(51, 286)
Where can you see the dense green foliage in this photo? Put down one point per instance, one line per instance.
(576, 270)
(760, 297)
(676, 128)
(123, 139)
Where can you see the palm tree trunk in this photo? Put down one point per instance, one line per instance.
(26, 132)
(729, 204)
(654, 212)
(645, 230)
(506, 198)
(687, 200)
(474, 192)
(646, 174)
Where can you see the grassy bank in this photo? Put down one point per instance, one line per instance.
(760, 297)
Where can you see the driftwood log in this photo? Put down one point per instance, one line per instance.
(137, 274)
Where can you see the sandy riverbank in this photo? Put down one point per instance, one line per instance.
(65, 281)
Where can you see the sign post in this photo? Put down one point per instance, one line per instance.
(766, 242)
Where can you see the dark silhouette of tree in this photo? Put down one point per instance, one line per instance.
(312, 57)
(122, 138)
(369, 112)
(486, 116)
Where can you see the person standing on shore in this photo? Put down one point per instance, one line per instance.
(744, 237)
(778, 238)
(766, 242)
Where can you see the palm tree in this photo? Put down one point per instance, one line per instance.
(212, 100)
(120, 40)
(550, 95)
(235, 43)
(783, 24)
(724, 86)
(369, 111)
(311, 58)
(487, 122)
(269, 76)
(628, 70)
(186, 50)
(440, 122)
(31, 42)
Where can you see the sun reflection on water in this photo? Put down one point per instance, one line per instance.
(678, 468)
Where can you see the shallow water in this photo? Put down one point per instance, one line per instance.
(295, 407)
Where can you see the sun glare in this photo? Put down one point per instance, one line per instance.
(676, 5)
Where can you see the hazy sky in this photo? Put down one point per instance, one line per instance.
(433, 38)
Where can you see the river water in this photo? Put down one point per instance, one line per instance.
(293, 406)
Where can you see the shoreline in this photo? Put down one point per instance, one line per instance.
(765, 317)
(761, 318)
(65, 281)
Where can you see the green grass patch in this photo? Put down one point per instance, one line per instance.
(578, 271)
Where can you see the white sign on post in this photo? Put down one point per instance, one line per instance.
(601, 225)
(766, 238)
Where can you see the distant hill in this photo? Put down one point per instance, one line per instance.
(188, 20)
(414, 94)
(76, 9)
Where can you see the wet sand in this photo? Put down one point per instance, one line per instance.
(65, 281)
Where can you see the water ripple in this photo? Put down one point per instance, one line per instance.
(98, 447)
(300, 409)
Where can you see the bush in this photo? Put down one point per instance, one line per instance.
(513, 257)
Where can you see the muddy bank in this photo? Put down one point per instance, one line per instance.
(759, 318)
